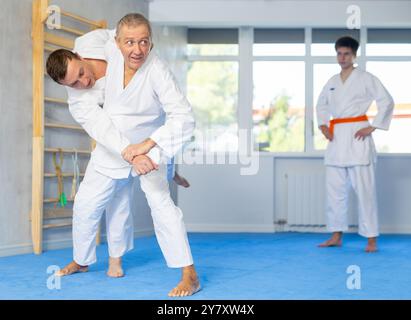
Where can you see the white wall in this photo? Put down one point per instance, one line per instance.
(15, 123)
(221, 200)
(277, 13)
(394, 189)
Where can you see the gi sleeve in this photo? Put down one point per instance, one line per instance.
(384, 101)
(91, 45)
(95, 121)
(322, 108)
(155, 155)
(179, 124)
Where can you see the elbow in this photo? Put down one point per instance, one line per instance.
(389, 101)
(193, 124)
(190, 123)
(189, 128)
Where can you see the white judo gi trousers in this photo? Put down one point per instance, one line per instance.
(362, 180)
(98, 192)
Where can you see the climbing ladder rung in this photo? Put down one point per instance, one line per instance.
(57, 225)
(63, 126)
(55, 100)
(97, 24)
(55, 200)
(65, 175)
(57, 213)
(51, 48)
(58, 41)
(72, 30)
(86, 152)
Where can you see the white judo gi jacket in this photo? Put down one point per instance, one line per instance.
(151, 106)
(165, 114)
(85, 105)
(352, 99)
(107, 182)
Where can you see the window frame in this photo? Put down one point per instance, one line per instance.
(245, 61)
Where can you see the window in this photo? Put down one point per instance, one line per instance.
(393, 75)
(212, 42)
(279, 42)
(278, 106)
(389, 49)
(323, 40)
(212, 49)
(278, 92)
(389, 42)
(280, 79)
(212, 88)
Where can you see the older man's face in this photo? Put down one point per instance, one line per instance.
(79, 75)
(134, 43)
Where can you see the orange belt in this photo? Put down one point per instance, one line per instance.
(346, 120)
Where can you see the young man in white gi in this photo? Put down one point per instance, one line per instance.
(83, 74)
(351, 156)
(108, 168)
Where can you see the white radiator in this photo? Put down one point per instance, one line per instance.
(306, 200)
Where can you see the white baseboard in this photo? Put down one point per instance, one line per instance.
(218, 228)
(15, 249)
(403, 229)
(398, 229)
(310, 229)
(26, 248)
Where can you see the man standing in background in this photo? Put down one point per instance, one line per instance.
(351, 156)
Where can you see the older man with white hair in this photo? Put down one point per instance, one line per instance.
(154, 118)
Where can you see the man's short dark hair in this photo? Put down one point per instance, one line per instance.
(57, 62)
(348, 42)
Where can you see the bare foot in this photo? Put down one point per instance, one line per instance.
(71, 268)
(335, 241)
(188, 285)
(181, 181)
(372, 245)
(114, 268)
